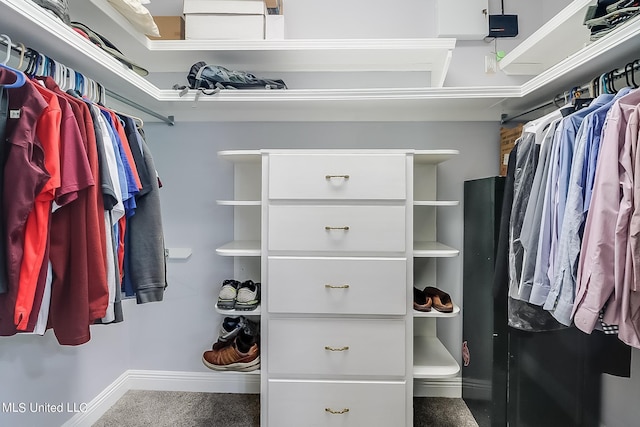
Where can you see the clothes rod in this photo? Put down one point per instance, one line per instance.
(170, 120)
(615, 75)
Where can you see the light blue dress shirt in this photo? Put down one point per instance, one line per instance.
(556, 198)
(562, 293)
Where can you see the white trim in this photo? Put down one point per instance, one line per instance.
(207, 382)
(446, 387)
(101, 403)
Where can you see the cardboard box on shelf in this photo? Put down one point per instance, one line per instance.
(170, 27)
(224, 19)
(508, 137)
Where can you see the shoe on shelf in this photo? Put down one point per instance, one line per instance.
(248, 296)
(421, 302)
(227, 295)
(229, 330)
(441, 300)
(242, 355)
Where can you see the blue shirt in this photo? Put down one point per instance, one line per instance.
(562, 291)
(556, 198)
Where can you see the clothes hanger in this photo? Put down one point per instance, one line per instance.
(20, 77)
(633, 70)
(611, 78)
(23, 50)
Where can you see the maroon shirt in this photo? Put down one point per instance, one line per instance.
(24, 177)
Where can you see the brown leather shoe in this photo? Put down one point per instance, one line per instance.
(421, 302)
(441, 300)
(229, 358)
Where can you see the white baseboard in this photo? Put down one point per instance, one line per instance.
(214, 382)
(209, 382)
(446, 387)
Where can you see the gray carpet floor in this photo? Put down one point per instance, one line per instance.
(138, 408)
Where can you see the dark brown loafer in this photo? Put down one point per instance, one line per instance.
(421, 302)
(441, 300)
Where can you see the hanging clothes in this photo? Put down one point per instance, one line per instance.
(601, 276)
(69, 214)
(4, 116)
(562, 291)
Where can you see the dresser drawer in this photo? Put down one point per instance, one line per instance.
(336, 347)
(337, 285)
(343, 404)
(337, 228)
(337, 176)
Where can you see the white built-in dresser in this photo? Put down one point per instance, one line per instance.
(341, 237)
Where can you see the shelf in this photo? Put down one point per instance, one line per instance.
(433, 156)
(433, 250)
(255, 312)
(240, 248)
(432, 360)
(30, 24)
(560, 37)
(239, 202)
(436, 202)
(436, 314)
(295, 55)
(578, 67)
(240, 155)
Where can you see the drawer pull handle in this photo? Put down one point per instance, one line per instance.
(336, 412)
(345, 228)
(345, 286)
(328, 177)
(345, 348)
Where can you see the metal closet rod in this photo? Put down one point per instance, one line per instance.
(617, 74)
(170, 120)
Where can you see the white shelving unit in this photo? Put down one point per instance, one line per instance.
(240, 248)
(431, 359)
(25, 22)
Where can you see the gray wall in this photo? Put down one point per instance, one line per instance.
(171, 335)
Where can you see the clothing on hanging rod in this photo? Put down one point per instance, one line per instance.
(170, 120)
(611, 75)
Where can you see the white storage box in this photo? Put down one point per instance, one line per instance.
(224, 19)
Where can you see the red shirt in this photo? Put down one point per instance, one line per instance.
(36, 233)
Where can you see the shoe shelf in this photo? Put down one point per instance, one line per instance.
(239, 202)
(437, 314)
(433, 250)
(432, 360)
(436, 202)
(255, 312)
(240, 248)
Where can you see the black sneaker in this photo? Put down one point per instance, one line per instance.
(229, 330)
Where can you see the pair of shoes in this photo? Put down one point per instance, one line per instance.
(421, 302)
(441, 300)
(242, 353)
(244, 296)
